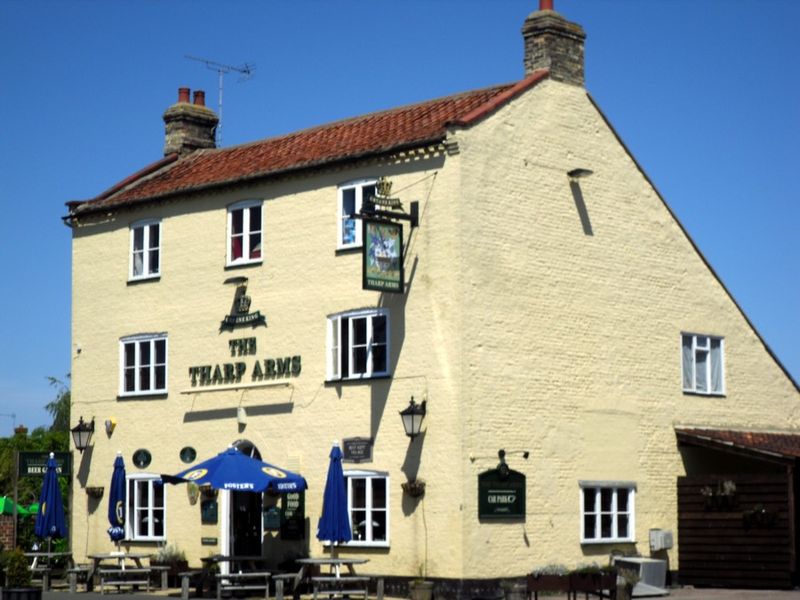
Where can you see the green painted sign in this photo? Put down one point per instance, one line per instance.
(501, 494)
(32, 464)
(293, 516)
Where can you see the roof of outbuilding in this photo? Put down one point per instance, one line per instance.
(367, 135)
(783, 444)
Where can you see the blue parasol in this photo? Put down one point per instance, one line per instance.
(232, 470)
(116, 501)
(51, 522)
(334, 524)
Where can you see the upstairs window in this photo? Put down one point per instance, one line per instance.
(607, 512)
(146, 511)
(143, 361)
(244, 232)
(358, 344)
(351, 197)
(368, 505)
(145, 250)
(702, 362)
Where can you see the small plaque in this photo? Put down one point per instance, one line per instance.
(208, 541)
(208, 512)
(357, 450)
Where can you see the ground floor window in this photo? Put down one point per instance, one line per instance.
(368, 505)
(146, 514)
(607, 511)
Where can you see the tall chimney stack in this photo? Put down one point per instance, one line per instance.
(552, 42)
(189, 126)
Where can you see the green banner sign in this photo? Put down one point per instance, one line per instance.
(501, 494)
(34, 464)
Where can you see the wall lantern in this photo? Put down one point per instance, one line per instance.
(82, 434)
(412, 417)
(110, 425)
(579, 173)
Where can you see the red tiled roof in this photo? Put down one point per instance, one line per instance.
(366, 135)
(786, 445)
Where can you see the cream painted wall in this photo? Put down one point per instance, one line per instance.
(520, 330)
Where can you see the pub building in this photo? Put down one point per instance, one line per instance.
(492, 270)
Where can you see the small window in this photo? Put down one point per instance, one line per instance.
(145, 260)
(607, 511)
(143, 365)
(351, 197)
(145, 518)
(358, 344)
(244, 232)
(368, 506)
(702, 362)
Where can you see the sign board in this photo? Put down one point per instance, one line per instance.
(34, 464)
(501, 494)
(293, 516)
(209, 512)
(357, 450)
(208, 541)
(382, 256)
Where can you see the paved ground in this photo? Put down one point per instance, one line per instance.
(676, 594)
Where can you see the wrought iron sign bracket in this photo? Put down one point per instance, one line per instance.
(412, 216)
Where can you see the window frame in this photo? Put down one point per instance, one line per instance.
(132, 505)
(358, 186)
(370, 477)
(147, 249)
(246, 259)
(630, 487)
(335, 348)
(152, 338)
(695, 349)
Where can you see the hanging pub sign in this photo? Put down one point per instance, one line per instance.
(501, 494)
(382, 256)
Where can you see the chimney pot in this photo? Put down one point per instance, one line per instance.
(189, 126)
(546, 5)
(200, 98)
(183, 94)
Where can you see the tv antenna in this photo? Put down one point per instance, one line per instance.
(245, 72)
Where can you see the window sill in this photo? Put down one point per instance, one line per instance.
(704, 394)
(349, 250)
(149, 279)
(357, 544)
(330, 382)
(241, 265)
(143, 396)
(607, 541)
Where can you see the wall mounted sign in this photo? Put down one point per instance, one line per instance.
(293, 516)
(208, 541)
(35, 463)
(357, 449)
(240, 315)
(188, 454)
(382, 256)
(272, 518)
(501, 494)
(142, 458)
(208, 511)
(236, 371)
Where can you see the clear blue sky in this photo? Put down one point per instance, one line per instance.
(703, 92)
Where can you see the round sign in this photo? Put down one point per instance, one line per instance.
(274, 472)
(188, 454)
(142, 458)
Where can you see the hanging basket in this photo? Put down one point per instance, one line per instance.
(415, 488)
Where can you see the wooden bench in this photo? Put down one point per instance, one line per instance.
(163, 570)
(77, 574)
(293, 579)
(231, 582)
(124, 577)
(43, 573)
(187, 578)
(347, 585)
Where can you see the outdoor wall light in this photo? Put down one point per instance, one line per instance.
(241, 415)
(110, 425)
(579, 173)
(82, 434)
(412, 417)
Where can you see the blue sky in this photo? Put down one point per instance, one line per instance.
(703, 92)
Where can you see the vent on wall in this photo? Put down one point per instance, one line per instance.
(660, 539)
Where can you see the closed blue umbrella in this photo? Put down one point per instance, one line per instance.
(232, 470)
(334, 524)
(116, 501)
(51, 522)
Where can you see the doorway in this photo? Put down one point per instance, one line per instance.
(244, 514)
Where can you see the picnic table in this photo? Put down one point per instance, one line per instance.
(333, 583)
(43, 563)
(237, 573)
(120, 572)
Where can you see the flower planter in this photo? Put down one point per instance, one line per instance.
(548, 583)
(420, 590)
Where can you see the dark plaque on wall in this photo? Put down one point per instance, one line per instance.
(293, 516)
(501, 494)
(208, 511)
(357, 449)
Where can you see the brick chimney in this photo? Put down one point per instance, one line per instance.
(552, 42)
(189, 126)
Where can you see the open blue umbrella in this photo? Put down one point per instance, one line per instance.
(51, 522)
(232, 470)
(334, 524)
(116, 501)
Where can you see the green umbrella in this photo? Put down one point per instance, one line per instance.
(7, 507)
(33, 508)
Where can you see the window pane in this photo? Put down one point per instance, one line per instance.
(158, 523)
(359, 331)
(161, 378)
(367, 192)
(130, 354)
(359, 490)
(161, 351)
(348, 208)
(255, 245)
(144, 378)
(138, 238)
(606, 495)
(236, 247)
(379, 359)
(605, 526)
(378, 493)
(359, 525)
(702, 342)
(701, 379)
(130, 376)
(716, 365)
(622, 526)
(589, 500)
(237, 221)
(622, 500)
(379, 329)
(379, 526)
(589, 524)
(154, 235)
(144, 353)
(687, 357)
(138, 264)
(359, 361)
(255, 218)
(154, 261)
